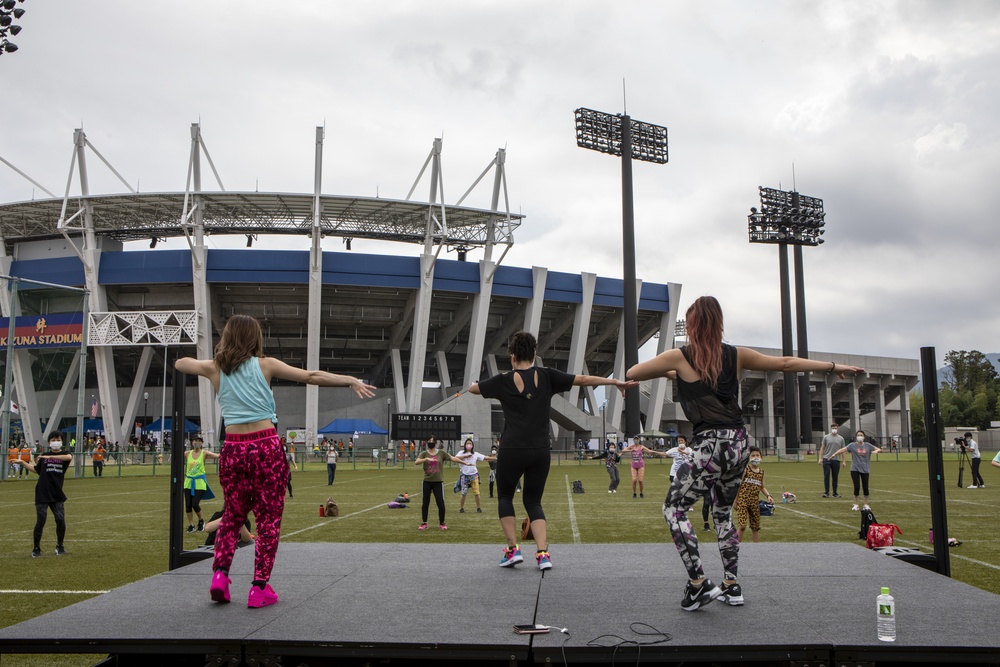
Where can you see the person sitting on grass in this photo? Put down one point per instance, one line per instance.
(747, 504)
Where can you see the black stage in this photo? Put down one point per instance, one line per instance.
(393, 603)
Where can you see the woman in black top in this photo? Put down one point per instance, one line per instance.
(707, 373)
(525, 394)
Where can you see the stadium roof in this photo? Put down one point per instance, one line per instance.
(131, 217)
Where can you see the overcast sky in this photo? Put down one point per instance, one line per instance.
(887, 110)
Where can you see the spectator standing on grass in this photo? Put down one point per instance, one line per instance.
(975, 459)
(196, 486)
(637, 450)
(469, 473)
(252, 469)
(525, 394)
(26, 456)
(611, 458)
(97, 458)
(51, 470)
(861, 461)
(290, 459)
(493, 468)
(432, 459)
(831, 463)
(708, 381)
(331, 465)
(13, 460)
(747, 504)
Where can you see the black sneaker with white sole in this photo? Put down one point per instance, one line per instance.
(732, 595)
(696, 597)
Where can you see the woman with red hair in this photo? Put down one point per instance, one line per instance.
(708, 384)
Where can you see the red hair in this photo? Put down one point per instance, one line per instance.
(704, 332)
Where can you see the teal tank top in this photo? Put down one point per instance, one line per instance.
(245, 396)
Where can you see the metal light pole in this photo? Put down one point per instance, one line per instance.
(630, 139)
(788, 218)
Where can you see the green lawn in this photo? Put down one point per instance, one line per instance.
(116, 526)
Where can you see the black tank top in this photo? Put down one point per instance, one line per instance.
(709, 408)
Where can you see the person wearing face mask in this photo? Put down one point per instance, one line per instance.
(493, 468)
(432, 459)
(975, 459)
(469, 473)
(832, 442)
(611, 458)
(747, 505)
(51, 470)
(682, 454)
(861, 452)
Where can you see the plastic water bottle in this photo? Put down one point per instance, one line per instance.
(886, 616)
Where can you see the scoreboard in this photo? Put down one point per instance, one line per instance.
(420, 427)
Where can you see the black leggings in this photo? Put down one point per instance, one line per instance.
(437, 488)
(860, 479)
(41, 513)
(193, 502)
(534, 465)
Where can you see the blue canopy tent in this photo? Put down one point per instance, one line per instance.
(88, 425)
(359, 426)
(189, 426)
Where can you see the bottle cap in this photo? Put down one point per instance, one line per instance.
(885, 590)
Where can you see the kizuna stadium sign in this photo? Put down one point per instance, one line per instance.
(34, 331)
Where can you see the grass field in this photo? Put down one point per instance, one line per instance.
(117, 526)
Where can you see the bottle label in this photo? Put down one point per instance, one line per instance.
(885, 610)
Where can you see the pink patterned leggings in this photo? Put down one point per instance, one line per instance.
(253, 472)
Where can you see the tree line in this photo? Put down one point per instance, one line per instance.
(968, 395)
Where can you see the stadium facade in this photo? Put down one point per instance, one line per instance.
(419, 327)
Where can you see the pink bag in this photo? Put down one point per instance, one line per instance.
(881, 534)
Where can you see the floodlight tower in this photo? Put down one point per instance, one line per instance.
(788, 218)
(628, 138)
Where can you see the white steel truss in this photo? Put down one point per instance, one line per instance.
(150, 327)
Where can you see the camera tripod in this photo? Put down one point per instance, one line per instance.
(963, 456)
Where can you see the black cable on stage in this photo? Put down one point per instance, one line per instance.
(638, 628)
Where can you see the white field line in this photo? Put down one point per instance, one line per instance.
(26, 592)
(911, 543)
(572, 513)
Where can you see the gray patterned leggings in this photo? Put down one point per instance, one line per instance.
(716, 467)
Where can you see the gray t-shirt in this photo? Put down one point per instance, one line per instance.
(831, 443)
(861, 456)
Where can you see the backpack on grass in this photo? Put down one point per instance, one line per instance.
(867, 519)
(766, 508)
(578, 487)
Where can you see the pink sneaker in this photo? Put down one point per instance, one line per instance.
(443, 527)
(261, 598)
(219, 590)
(422, 526)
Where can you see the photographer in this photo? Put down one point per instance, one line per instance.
(971, 447)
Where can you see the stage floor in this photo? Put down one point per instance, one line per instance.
(804, 603)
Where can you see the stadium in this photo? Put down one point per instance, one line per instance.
(420, 327)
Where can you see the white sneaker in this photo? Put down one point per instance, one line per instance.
(866, 507)
(974, 486)
(854, 508)
(609, 490)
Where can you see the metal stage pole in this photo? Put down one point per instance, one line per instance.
(935, 459)
(177, 469)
